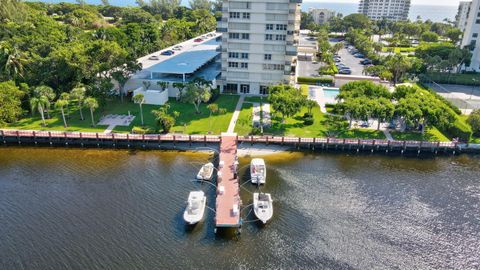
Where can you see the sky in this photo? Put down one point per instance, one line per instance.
(414, 2)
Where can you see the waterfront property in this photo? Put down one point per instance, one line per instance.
(379, 9)
(470, 36)
(259, 44)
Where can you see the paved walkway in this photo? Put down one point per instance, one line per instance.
(314, 93)
(236, 113)
(388, 135)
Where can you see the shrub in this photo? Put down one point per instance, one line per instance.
(307, 115)
(308, 121)
(215, 95)
(142, 130)
(474, 121)
(459, 129)
(313, 80)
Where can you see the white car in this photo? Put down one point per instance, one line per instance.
(153, 57)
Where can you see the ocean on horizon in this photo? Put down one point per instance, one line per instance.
(431, 12)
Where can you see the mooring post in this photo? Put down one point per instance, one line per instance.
(204, 140)
(404, 146)
(3, 134)
(251, 139)
(283, 140)
(266, 139)
(173, 140)
(190, 140)
(314, 142)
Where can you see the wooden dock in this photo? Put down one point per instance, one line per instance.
(228, 203)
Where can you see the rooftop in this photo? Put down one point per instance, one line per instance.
(189, 60)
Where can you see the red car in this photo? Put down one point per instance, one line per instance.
(198, 40)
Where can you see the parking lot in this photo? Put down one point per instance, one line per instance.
(351, 61)
(307, 69)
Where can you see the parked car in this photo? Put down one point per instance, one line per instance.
(340, 65)
(314, 62)
(177, 48)
(345, 71)
(198, 40)
(168, 52)
(337, 60)
(153, 57)
(366, 62)
(364, 124)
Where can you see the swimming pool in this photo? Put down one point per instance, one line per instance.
(330, 93)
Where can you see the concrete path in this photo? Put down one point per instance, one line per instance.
(236, 113)
(266, 118)
(315, 93)
(388, 135)
(256, 114)
(109, 128)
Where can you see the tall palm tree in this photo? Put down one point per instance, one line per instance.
(140, 99)
(66, 96)
(48, 93)
(60, 104)
(78, 93)
(39, 103)
(92, 104)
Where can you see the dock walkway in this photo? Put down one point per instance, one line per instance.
(228, 201)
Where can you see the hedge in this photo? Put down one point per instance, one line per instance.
(315, 80)
(459, 129)
(451, 78)
(448, 103)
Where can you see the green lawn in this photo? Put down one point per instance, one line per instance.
(399, 49)
(323, 126)
(454, 78)
(244, 122)
(431, 134)
(188, 121)
(257, 99)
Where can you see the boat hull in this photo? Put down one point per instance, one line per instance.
(263, 206)
(195, 209)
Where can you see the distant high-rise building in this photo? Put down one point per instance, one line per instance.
(259, 44)
(321, 15)
(461, 18)
(395, 10)
(471, 37)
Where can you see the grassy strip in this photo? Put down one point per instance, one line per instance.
(188, 122)
(431, 134)
(244, 122)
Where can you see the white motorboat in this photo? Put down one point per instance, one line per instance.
(263, 206)
(258, 171)
(195, 207)
(206, 172)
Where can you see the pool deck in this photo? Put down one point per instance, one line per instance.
(228, 190)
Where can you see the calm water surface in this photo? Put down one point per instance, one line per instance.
(103, 209)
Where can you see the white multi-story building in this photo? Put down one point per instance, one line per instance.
(321, 15)
(395, 10)
(471, 37)
(259, 44)
(462, 14)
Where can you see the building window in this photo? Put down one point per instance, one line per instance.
(279, 37)
(475, 35)
(246, 15)
(245, 36)
(233, 64)
(281, 27)
(477, 21)
(263, 90)
(268, 37)
(244, 56)
(235, 15)
(244, 65)
(230, 88)
(234, 35)
(232, 55)
(269, 27)
(267, 57)
(273, 67)
(244, 88)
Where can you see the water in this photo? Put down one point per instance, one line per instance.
(435, 13)
(330, 93)
(105, 209)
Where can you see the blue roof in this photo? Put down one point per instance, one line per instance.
(186, 62)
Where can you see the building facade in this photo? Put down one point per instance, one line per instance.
(259, 44)
(462, 14)
(394, 10)
(471, 38)
(321, 15)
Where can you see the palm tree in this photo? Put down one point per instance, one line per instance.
(12, 61)
(92, 104)
(48, 93)
(66, 96)
(213, 108)
(60, 104)
(78, 93)
(140, 99)
(39, 103)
